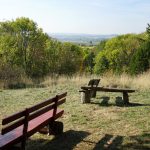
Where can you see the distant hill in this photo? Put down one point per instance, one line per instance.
(87, 39)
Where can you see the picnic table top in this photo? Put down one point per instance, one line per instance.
(107, 89)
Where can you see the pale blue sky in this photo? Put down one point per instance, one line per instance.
(81, 16)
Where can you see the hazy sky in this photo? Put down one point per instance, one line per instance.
(81, 16)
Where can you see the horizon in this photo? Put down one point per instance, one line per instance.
(97, 17)
(78, 33)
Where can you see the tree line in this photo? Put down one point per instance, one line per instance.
(26, 50)
(128, 53)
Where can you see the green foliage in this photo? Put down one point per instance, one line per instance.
(52, 50)
(70, 59)
(100, 46)
(25, 47)
(88, 60)
(148, 31)
(117, 53)
(141, 59)
(23, 44)
(101, 63)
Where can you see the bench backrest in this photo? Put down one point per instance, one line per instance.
(94, 82)
(23, 117)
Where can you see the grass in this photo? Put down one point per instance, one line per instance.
(100, 125)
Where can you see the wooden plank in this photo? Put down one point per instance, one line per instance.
(40, 112)
(34, 125)
(44, 113)
(61, 101)
(45, 103)
(41, 121)
(12, 126)
(116, 90)
(25, 128)
(13, 117)
(108, 89)
(93, 82)
(11, 138)
(125, 98)
(86, 96)
(42, 104)
(60, 96)
(44, 110)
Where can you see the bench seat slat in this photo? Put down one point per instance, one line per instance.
(34, 125)
(41, 121)
(13, 126)
(103, 89)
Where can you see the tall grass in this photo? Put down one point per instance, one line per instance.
(140, 82)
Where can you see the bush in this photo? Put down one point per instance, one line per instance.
(11, 76)
(140, 61)
(102, 64)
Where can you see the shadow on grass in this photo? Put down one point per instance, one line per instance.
(139, 142)
(69, 140)
(66, 141)
(110, 142)
(103, 102)
(118, 102)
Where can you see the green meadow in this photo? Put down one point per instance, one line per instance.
(105, 123)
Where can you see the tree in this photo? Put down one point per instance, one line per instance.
(88, 60)
(100, 46)
(70, 59)
(53, 48)
(23, 44)
(117, 53)
(101, 63)
(141, 59)
(148, 31)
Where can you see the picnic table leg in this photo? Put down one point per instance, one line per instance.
(86, 96)
(125, 98)
(93, 93)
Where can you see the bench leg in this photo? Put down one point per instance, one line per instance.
(93, 93)
(86, 96)
(125, 98)
(56, 128)
(23, 143)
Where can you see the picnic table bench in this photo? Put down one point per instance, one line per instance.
(86, 94)
(92, 83)
(19, 126)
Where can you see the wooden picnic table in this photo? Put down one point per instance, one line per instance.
(86, 90)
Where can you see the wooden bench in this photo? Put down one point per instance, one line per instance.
(85, 94)
(88, 89)
(18, 127)
(93, 83)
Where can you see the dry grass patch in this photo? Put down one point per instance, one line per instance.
(140, 82)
